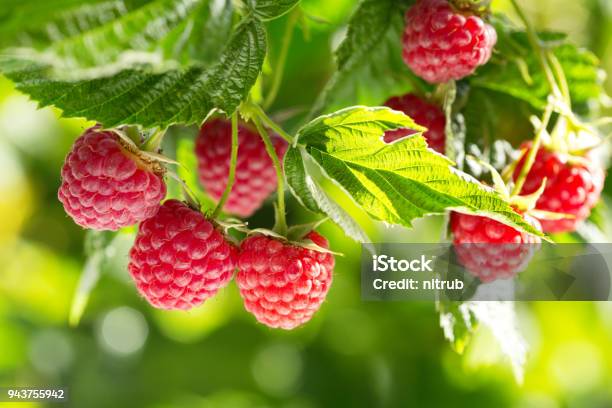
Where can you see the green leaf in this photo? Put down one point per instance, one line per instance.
(34, 23)
(369, 60)
(138, 30)
(271, 9)
(401, 181)
(142, 96)
(517, 72)
(313, 197)
(198, 37)
(79, 37)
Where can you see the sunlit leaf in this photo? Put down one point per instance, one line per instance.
(400, 181)
(313, 197)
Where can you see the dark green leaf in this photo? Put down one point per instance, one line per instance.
(271, 9)
(198, 37)
(517, 72)
(144, 97)
(95, 32)
(35, 23)
(370, 66)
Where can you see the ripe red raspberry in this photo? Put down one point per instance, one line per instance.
(282, 284)
(106, 187)
(424, 114)
(491, 250)
(179, 258)
(441, 44)
(255, 174)
(571, 187)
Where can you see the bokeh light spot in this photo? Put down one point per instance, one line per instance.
(122, 331)
(576, 366)
(51, 352)
(277, 369)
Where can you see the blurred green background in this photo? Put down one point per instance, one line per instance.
(353, 354)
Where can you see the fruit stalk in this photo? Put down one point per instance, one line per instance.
(281, 222)
(537, 48)
(282, 58)
(558, 71)
(154, 142)
(232, 168)
(537, 140)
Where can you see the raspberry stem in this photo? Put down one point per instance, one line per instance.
(271, 124)
(281, 222)
(153, 143)
(558, 71)
(282, 58)
(189, 196)
(232, 169)
(531, 154)
(132, 134)
(536, 44)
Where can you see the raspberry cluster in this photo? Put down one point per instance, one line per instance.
(424, 114)
(441, 44)
(489, 249)
(105, 186)
(255, 174)
(180, 258)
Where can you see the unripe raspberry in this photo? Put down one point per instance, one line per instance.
(491, 250)
(424, 114)
(105, 186)
(255, 173)
(571, 187)
(441, 44)
(282, 284)
(179, 258)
